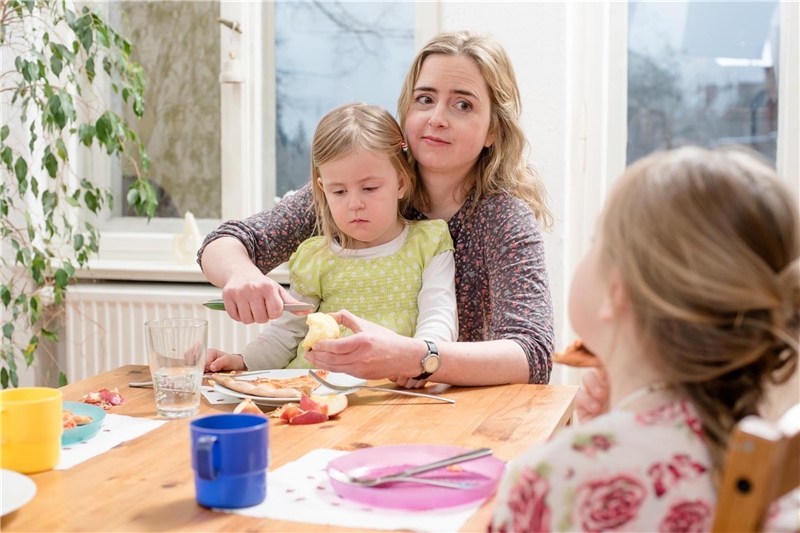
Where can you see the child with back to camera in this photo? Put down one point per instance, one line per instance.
(368, 258)
(690, 297)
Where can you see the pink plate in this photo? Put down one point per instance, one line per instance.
(385, 460)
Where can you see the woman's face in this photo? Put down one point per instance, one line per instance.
(447, 124)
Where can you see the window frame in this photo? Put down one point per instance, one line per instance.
(133, 249)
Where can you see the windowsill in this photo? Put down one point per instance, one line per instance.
(120, 270)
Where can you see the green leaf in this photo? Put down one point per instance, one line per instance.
(133, 196)
(7, 157)
(29, 4)
(61, 148)
(4, 378)
(72, 201)
(21, 170)
(8, 330)
(4, 133)
(78, 244)
(91, 201)
(86, 134)
(70, 16)
(36, 309)
(56, 65)
(86, 37)
(51, 164)
(102, 129)
(62, 379)
(50, 335)
(5, 295)
(90, 69)
(14, 378)
(49, 202)
(35, 186)
(61, 277)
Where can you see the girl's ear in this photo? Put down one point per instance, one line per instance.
(319, 182)
(403, 185)
(615, 298)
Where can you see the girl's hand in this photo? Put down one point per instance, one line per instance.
(372, 352)
(592, 398)
(255, 298)
(217, 360)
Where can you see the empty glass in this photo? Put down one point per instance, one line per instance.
(177, 353)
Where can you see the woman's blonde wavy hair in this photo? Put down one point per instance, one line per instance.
(708, 246)
(502, 167)
(340, 132)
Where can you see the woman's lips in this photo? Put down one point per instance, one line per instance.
(434, 141)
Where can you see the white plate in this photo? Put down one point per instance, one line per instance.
(335, 378)
(17, 490)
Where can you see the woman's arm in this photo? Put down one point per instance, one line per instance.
(238, 255)
(521, 308)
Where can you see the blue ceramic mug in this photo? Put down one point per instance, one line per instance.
(230, 458)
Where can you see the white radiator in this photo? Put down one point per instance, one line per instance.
(104, 323)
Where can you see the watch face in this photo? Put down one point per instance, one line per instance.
(431, 364)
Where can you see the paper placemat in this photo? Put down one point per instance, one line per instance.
(301, 492)
(116, 429)
(213, 397)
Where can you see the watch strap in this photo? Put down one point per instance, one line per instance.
(432, 350)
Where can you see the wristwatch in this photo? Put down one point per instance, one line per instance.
(431, 362)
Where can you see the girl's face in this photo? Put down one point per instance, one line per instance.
(590, 301)
(447, 124)
(363, 190)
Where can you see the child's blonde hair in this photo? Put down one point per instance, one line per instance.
(338, 134)
(502, 167)
(708, 246)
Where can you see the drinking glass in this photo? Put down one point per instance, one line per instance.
(177, 352)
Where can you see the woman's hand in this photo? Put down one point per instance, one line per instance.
(217, 360)
(254, 297)
(372, 352)
(592, 398)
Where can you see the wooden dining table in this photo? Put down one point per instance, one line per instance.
(147, 484)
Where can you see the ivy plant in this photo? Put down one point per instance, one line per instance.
(59, 51)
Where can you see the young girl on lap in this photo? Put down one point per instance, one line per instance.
(368, 258)
(690, 297)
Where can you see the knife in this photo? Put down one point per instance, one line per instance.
(219, 305)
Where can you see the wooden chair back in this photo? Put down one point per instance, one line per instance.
(763, 464)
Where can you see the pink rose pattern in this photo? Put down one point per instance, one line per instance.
(527, 502)
(608, 504)
(590, 445)
(680, 412)
(687, 517)
(665, 475)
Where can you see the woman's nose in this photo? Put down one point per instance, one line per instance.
(437, 118)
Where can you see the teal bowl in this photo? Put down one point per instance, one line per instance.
(81, 433)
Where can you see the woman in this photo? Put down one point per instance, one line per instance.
(459, 108)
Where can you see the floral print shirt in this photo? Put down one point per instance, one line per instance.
(619, 472)
(501, 284)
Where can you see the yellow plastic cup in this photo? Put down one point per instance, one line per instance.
(30, 429)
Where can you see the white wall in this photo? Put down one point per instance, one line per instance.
(535, 37)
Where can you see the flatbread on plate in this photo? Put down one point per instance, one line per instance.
(271, 387)
(576, 354)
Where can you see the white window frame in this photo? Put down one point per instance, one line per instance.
(596, 124)
(132, 249)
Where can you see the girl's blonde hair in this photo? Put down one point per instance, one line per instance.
(708, 246)
(502, 167)
(339, 133)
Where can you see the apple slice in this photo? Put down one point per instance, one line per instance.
(247, 406)
(335, 403)
(290, 410)
(308, 404)
(308, 417)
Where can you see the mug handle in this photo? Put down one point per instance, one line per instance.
(205, 463)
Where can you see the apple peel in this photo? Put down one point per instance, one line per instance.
(311, 409)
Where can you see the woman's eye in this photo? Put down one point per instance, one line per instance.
(464, 106)
(424, 99)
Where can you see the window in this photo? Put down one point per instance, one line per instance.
(703, 73)
(229, 115)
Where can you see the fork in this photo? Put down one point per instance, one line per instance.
(407, 475)
(380, 389)
(343, 477)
